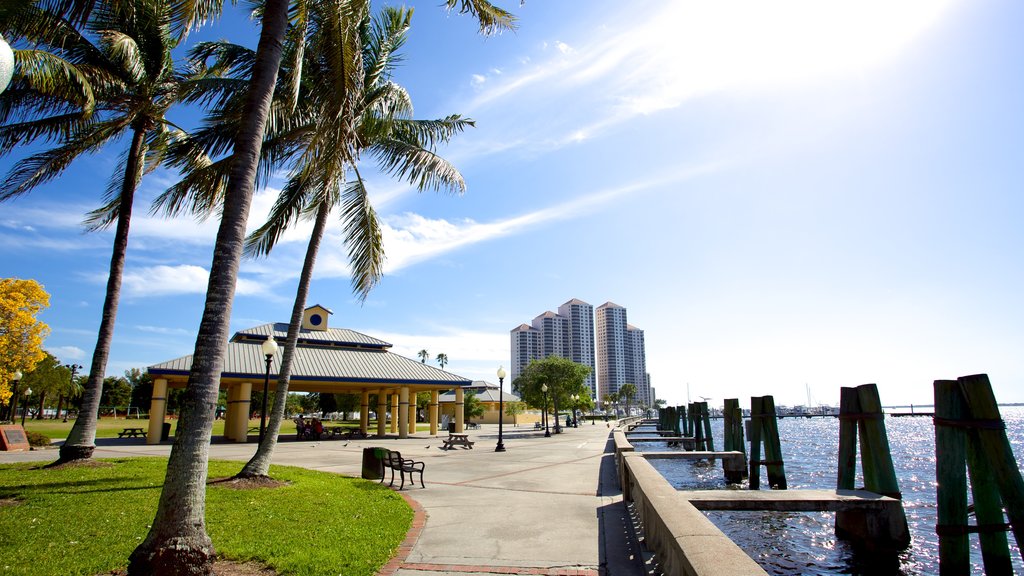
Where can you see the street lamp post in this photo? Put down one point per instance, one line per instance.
(554, 399)
(269, 349)
(575, 404)
(501, 409)
(544, 412)
(13, 405)
(24, 407)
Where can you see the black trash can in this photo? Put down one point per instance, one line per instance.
(165, 432)
(451, 427)
(373, 463)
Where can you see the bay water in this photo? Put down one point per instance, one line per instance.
(805, 543)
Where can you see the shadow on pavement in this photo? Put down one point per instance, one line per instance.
(619, 550)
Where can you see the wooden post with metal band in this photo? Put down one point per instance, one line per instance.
(860, 411)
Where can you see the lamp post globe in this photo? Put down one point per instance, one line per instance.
(501, 409)
(269, 347)
(544, 412)
(6, 63)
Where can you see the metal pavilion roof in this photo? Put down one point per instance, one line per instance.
(337, 356)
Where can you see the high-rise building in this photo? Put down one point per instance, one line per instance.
(636, 364)
(525, 347)
(601, 339)
(613, 368)
(581, 337)
(568, 334)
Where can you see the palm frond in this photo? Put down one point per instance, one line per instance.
(363, 237)
(388, 34)
(492, 19)
(34, 170)
(54, 76)
(188, 15)
(125, 52)
(50, 128)
(289, 206)
(422, 168)
(199, 192)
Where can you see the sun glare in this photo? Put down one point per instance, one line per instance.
(698, 47)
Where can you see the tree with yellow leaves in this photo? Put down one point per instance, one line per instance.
(21, 334)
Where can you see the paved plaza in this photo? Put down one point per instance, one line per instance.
(547, 506)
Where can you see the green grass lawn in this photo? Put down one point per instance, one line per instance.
(109, 427)
(87, 520)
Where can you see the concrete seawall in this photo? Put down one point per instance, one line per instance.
(683, 539)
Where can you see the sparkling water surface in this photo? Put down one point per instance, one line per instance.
(805, 543)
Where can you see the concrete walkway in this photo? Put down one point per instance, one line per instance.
(547, 506)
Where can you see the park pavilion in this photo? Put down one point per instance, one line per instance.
(488, 396)
(331, 360)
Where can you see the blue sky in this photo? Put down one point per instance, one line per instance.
(783, 195)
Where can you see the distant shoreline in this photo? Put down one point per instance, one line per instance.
(1012, 404)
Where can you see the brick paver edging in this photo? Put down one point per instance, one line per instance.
(419, 519)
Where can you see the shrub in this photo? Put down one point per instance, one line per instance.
(37, 440)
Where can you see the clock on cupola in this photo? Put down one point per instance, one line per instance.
(315, 318)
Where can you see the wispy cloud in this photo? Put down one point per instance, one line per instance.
(164, 330)
(169, 280)
(646, 61)
(66, 353)
(412, 238)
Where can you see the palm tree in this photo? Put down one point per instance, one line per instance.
(84, 95)
(424, 355)
(442, 359)
(324, 135)
(374, 119)
(626, 393)
(177, 541)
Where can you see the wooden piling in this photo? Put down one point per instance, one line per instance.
(709, 440)
(765, 428)
(696, 428)
(732, 419)
(969, 430)
(860, 414)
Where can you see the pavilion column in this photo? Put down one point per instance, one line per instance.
(394, 413)
(364, 414)
(381, 410)
(403, 412)
(459, 412)
(412, 413)
(240, 427)
(433, 412)
(229, 414)
(157, 411)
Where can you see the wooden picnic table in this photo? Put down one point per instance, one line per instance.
(457, 439)
(132, 433)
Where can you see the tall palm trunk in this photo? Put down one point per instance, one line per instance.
(177, 543)
(259, 464)
(60, 405)
(42, 398)
(81, 439)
